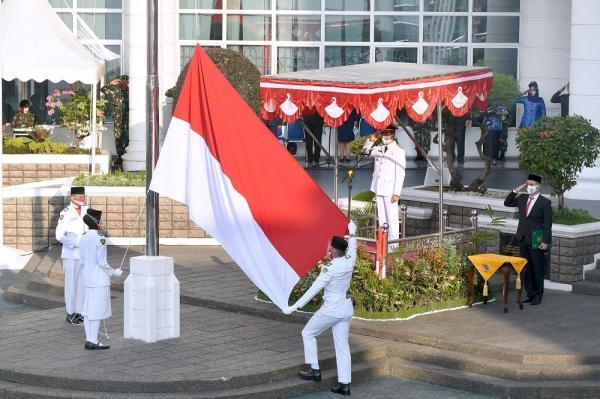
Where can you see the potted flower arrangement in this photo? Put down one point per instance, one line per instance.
(73, 110)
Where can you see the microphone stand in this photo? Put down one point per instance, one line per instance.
(358, 160)
(349, 174)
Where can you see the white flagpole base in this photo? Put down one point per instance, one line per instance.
(151, 309)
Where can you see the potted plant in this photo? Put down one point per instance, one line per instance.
(73, 109)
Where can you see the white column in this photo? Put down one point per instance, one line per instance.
(168, 61)
(585, 84)
(135, 49)
(544, 47)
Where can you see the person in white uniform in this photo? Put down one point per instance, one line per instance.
(336, 312)
(388, 178)
(97, 273)
(69, 230)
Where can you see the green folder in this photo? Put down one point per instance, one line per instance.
(537, 238)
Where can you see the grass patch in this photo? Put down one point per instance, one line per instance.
(572, 216)
(366, 196)
(403, 314)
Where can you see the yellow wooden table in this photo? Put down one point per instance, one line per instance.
(489, 264)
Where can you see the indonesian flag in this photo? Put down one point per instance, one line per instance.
(242, 186)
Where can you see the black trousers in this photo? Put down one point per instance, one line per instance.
(313, 150)
(534, 270)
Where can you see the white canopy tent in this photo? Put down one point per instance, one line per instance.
(36, 45)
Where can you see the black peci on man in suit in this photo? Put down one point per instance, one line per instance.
(534, 233)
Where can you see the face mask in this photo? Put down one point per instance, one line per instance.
(78, 203)
(532, 189)
(386, 140)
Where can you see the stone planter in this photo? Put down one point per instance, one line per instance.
(29, 168)
(573, 247)
(31, 213)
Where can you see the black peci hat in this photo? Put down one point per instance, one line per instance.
(339, 243)
(534, 178)
(92, 218)
(77, 190)
(24, 103)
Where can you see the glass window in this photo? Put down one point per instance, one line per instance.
(495, 30)
(292, 59)
(396, 5)
(61, 3)
(299, 28)
(445, 5)
(347, 5)
(496, 5)
(200, 4)
(301, 5)
(200, 27)
(249, 4)
(98, 3)
(248, 27)
(445, 28)
(342, 55)
(105, 26)
(503, 60)
(67, 18)
(349, 28)
(445, 55)
(396, 54)
(259, 55)
(397, 29)
(186, 52)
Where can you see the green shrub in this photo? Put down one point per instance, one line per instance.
(116, 179)
(24, 145)
(420, 280)
(572, 216)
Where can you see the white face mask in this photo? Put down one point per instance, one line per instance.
(386, 140)
(532, 189)
(78, 203)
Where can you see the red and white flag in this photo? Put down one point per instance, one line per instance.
(242, 186)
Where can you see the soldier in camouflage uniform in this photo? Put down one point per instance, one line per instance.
(117, 93)
(24, 119)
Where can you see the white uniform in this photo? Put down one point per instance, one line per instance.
(96, 274)
(388, 178)
(69, 230)
(336, 312)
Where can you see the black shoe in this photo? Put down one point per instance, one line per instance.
(527, 300)
(343, 389)
(73, 319)
(92, 346)
(311, 374)
(79, 317)
(535, 301)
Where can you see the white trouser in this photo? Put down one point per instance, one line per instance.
(91, 330)
(74, 286)
(340, 328)
(388, 212)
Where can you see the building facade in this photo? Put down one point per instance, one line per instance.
(549, 41)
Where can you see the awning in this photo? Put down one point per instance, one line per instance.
(375, 90)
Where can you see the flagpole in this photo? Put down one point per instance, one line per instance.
(152, 130)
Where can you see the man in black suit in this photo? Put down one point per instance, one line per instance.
(535, 219)
(562, 97)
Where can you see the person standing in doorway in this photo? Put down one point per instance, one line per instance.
(388, 178)
(69, 230)
(562, 97)
(533, 106)
(336, 312)
(534, 233)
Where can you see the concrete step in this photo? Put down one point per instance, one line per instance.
(493, 386)
(593, 275)
(586, 287)
(556, 368)
(279, 384)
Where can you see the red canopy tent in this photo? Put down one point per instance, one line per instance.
(376, 91)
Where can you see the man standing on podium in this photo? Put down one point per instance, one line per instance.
(534, 233)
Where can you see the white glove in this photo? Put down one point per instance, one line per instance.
(351, 227)
(117, 272)
(289, 309)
